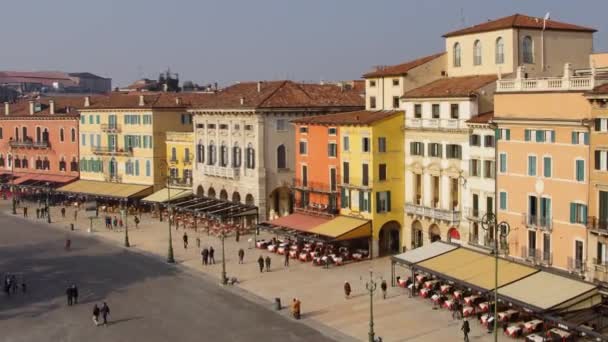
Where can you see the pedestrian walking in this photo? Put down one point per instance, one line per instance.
(267, 261)
(211, 255)
(383, 287)
(75, 214)
(7, 285)
(241, 255)
(69, 294)
(286, 262)
(137, 222)
(74, 294)
(24, 211)
(347, 289)
(198, 242)
(205, 254)
(295, 308)
(96, 315)
(62, 212)
(261, 263)
(465, 330)
(120, 222)
(105, 311)
(108, 222)
(185, 238)
(37, 213)
(115, 222)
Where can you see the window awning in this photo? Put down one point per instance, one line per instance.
(544, 291)
(344, 228)
(475, 268)
(166, 194)
(106, 189)
(35, 179)
(425, 252)
(300, 222)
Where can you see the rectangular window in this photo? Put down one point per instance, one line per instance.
(531, 165)
(580, 138)
(333, 186)
(236, 127)
(435, 150)
(365, 203)
(332, 150)
(547, 167)
(281, 125)
(148, 121)
(372, 102)
(212, 126)
(382, 172)
(503, 163)
(453, 151)
(601, 160)
(303, 147)
(418, 111)
(578, 213)
(601, 125)
(304, 175)
(395, 82)
(346, 143)
(503, 134)
(488, 169)
(383, 201)
(488, 140)
(83, 139)
(82, 120)
(395, 102)
(417, 149)
(91, 118)
(250, 128)
(97, 119)
(475, 140)
(332, 131)
(435, 111)
(345, 173)
(454, 110)
(475, 167)
(364, 174)
(382, 144)
(372, 84)
(303, 129)
(580, 170)
(365, 144)
(225, 126)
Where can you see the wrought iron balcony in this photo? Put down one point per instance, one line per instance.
(597, 225)
(113, 178)
(183, 182)
(474, 214)
(451, 216)
(313, 186)
(600, 270)
(435, 124)
(114, 151)
(536, 256)
(29, 144)
(223, 172)
(576, 265)
(539, 222)
(111, 128)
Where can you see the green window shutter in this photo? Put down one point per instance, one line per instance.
(377, 201)
(527, 135)
(497, 134)
(548, 208)
(508, 134)
(572, 212)
(361, 201)
(343, 198)
(540, 136)
(584, 220)
(586, 138)
(580, 170)
(574, 138)
(547, 167)
(503, 200)
(598, 124)
(553, 136)
(388, 201)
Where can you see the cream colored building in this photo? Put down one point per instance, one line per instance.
(501, 45)
(245, 143)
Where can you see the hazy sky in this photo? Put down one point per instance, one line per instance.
(227, 40)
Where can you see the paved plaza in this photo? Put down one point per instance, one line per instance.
(398, 318)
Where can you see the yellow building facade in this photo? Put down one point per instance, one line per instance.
(372, 160)
(180, 157)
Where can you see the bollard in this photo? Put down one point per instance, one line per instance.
(277, 304)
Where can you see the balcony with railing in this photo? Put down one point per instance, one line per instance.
(222, 172)
(317, 187)
(537, 222)
(600, 270)
(576, 265)
(537, 256)
(434, 124)
(111, 128)
(597, 225)
(474, 214)
(28, 143)
(451, 216)
(569, 82)
(112, 151)
(180, 182)
(113, 178)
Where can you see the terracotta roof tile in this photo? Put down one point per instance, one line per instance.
(519, 21)
(403, 68)
(282, 94)
(64, 106)
(451, 87)
(483, 118)
(363, 117)
(151, 100)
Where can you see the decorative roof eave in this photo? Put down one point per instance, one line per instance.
(440, 98)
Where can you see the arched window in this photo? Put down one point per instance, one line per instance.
(186, 155)
(477, 53)
(236, 155)
(74, 164)
(250, 157)
(211, 156)
(17, 162)
(17, 133)
(500, 51)
(73, 133)
(24, 129)
(38, 164)
(62, 165)
(527, 48)
(46, 165)
(200, 152)
(137, 167)
(24, 163)
(281, 161)
(173, 154)
(38, 134)
(1, 160)
(10, 160)
(45, 135)
(224, 155)
(457, 54)
(148, 168)
(61, 136)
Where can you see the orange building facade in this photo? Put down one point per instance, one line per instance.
(317, 164)
(39, 141)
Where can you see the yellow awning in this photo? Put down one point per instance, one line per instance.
(165, 194)
(344, 228)
(545, 291)
(476, 268)
(106, 189)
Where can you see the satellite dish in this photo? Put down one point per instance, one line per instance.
(547, 16)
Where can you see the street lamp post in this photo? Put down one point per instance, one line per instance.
(224, 277)
(125, 215)
(48, 204)
(371, 286)
(501, 231)
(170, 258)
(13, 192)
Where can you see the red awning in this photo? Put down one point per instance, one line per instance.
(454, 234)
(24, 177)
(297, 221)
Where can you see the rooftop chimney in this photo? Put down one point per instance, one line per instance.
(141, 101)
(31, 107)
(242, 101)
(178, 100)
(52, 106)
(87, 101)
(7, 108)
(259, 87)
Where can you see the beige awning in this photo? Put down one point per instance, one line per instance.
(344, 228)
(106, 189)
(165, 194)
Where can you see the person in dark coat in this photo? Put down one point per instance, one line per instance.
(24, 211)
(286, 262)
(261, 263)
(185, 238)
(211, 255)
(466, 329)
(105, 311)
(37, 213)
(198, 242)
(96, 315)
(115, 222)
(63, 212)
(74, 294)
(383, 287)
(268, 263)
(241, 255)
(347, 289)
(69, 293)
(205, 254)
